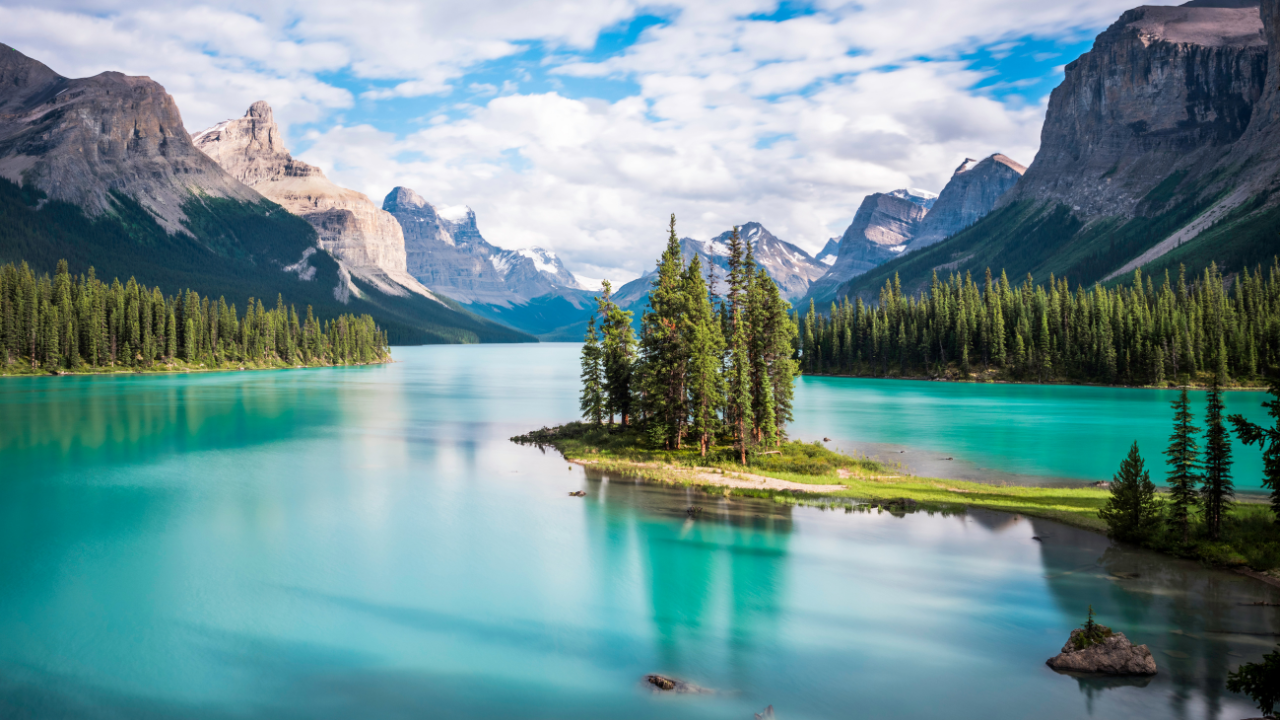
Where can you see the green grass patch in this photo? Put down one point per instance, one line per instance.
(1250, 534)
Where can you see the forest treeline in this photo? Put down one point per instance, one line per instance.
(74, 323)
(713, 372)
(1141, 333)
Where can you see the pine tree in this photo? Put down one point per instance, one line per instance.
(1183, 454)
(705, 383)
(740, 408)
(663, 349)
(1268, 439)
(1132, 513)
(1217, 492)
(617, 355)
(592, 400)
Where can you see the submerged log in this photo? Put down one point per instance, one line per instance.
(663, 683)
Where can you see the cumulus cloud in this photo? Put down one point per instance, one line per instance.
(729, 116)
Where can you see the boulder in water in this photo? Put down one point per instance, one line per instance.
(1111, 654)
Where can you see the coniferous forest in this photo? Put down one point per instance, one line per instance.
(81, 323)
(706, 369)
(1150, 331)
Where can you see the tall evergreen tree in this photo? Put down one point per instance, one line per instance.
(1184, 460)
(706, 383)
(663, 350)
(617, 355)
(739, 406)
(1132, 513)
(592, 399)
(1218, 491)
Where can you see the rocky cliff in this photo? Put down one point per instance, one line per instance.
(1164, 88)
(447, 253)
(880, 231)
(1160, 148)
(365, 239)
(971, 193)
(82, 140)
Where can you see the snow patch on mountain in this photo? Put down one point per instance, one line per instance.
(454, 213)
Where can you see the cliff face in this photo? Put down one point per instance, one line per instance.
(365, 239)
(80, 140)
(880, 231)
(1163, 88)
(972, 192)
(447, 253)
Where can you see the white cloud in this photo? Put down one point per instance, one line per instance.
(789, 123)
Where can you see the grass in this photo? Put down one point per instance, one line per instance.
(1250, 538)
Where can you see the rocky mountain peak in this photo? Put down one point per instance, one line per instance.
(260, 110)
(972, 192)
(81, 140)
(365, 239)
(447, 253)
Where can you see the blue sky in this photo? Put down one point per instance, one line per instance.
(580, 128)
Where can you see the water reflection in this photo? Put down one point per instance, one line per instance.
(1198, 622)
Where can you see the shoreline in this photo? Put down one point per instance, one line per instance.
(179, 371)
(975, 381)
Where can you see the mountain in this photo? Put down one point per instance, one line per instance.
(790, 267)
(880, 231)
(450, 256)
(827, 256)
(971, 193)
(101, 172)
(366, 240)
(529, 288)
(1161, 147)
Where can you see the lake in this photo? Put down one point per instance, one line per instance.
(366, 542)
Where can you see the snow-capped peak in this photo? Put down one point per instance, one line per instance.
(591, 284)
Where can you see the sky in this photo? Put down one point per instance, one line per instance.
(580, 127)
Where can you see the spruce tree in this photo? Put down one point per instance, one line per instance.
(739, 411)
(592, 400)
(1184, 456)
(1132, 513)
(617, 355)
(1267, 438)
(706, 383)
(663, 347)
(1217, 491)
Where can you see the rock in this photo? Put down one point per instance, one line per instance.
(694, 511)
(663, 683)
(1114, 655)
(578, 493)
(826, 439)
(365, 239)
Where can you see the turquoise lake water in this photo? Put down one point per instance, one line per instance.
(365, 542)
